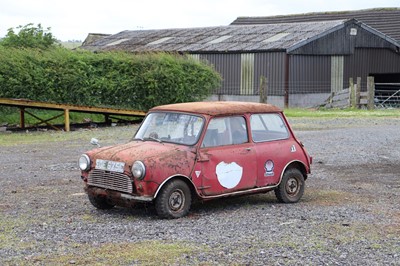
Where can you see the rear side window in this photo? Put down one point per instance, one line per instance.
(226, 131)
(268, 127)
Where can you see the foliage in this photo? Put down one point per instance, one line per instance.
(29, 36)
(110, 79)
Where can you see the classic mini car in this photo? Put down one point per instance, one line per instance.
(201, 150)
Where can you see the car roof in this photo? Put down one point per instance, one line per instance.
(219, 108)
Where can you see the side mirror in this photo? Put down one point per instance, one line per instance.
(95, 141)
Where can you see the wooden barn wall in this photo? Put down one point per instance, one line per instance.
(343, 42)
(272, 66)
(228, 65)
(335, 43)
(309, 74)
(367, 61)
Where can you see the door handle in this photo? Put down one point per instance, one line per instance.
(248, 149)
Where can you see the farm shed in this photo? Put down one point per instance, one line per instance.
(303, 62)
(385, 20)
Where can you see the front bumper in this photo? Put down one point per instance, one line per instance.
(116, 197)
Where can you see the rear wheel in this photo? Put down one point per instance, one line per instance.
(174, 200)
(291, 188)
(100, 202)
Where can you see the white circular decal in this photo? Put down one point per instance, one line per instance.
(229, 174)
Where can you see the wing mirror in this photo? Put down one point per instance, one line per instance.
(95, 141)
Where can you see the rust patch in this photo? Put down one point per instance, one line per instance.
(219, 108)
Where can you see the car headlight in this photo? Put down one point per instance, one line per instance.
(138, 170)
(84, 162)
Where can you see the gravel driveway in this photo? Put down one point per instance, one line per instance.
(349, 215)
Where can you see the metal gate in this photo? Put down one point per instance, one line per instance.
(387, 95)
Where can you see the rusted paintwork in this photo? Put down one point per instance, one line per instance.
(162, 159)
(175, 161)
(219, 108)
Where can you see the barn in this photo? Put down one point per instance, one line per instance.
(385, 20)
(302, 62)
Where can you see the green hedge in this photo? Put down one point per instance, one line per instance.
(105, 79)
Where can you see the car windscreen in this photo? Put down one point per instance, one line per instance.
(171, 127)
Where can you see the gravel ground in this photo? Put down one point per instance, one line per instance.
(349, 214)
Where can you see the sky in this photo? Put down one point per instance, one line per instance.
(74, 19)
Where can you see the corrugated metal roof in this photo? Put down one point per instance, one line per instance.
(92, 37)
(385, 20)
(232, 38)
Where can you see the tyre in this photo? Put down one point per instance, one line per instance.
(100, 202)
(291, 188)
(174, 200)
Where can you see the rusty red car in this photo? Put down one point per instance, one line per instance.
(199, 151)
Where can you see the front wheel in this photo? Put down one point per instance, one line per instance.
(174, 200)
(291, 188)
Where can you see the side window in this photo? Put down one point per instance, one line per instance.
(216, 127)
(238, 130)
(267, 127)
(223, 131)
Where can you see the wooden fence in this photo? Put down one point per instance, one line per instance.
(353, 96)
(65, 110)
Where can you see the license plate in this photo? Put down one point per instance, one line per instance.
(110, 166)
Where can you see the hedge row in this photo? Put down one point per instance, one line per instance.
(106, 79)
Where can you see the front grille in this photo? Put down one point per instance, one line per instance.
(110, 180)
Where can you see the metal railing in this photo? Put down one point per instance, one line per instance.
(387, 95)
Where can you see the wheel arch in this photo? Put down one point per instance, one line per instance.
(184, 178)
(298, 165)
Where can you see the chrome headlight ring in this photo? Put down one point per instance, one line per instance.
(84, 162)
(138, 170)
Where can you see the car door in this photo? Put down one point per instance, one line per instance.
(227, 160)
(273, 147)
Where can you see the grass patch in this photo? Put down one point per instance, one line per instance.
(7, 236)
(143, 253)
(11, 116)
(335, 113)
(327, 197)
(112, 135)
(9, 227)
(353, 232)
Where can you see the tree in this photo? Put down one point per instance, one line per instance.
(29, 36)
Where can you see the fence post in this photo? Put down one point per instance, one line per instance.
(22, 118)
(358, 94)
(263, 90)
(351, 90)
(66, 120)
(371, 92)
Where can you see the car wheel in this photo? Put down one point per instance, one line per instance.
(174, 200)
(100, 202)
(291, 188)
